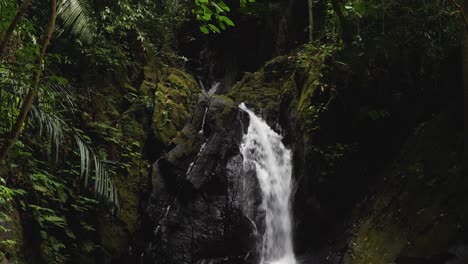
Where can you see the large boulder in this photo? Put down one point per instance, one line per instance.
(196, 205)
(420, 211)
(175, 94)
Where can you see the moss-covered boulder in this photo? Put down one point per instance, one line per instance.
(420, 214)
(263, 89)
(176, 93)
(283, 91)
(11, 232)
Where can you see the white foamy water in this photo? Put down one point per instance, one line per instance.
(264, 152)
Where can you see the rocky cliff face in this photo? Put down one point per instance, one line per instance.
(197, 204)
(349, 202)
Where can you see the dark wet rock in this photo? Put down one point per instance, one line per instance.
(225, 260)
(410, 220)
(460, 251)
(197, 216)
(349, 205)
(436, 259)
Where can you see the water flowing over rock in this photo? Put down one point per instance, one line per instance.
(264, 153)
(201, 210)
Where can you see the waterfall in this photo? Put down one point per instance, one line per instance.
(204, 120)
(264, 152)
(213, 89)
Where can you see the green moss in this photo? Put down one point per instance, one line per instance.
(129, 202)
(125, 114)
(131, 127)
(276, 82)
(307, 93)
(289, 87)
(105, 106)
(167, 133)
(175, 95)
(147, 88)
(228, 105)
(413, 217)
(386, 235)
(150, 73)
(254, 90)
(187, 143)
(176, 80)
(11, 232)
(130, 88)
(114, 238)
(376, 246)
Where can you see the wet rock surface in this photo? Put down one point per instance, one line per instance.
(197, 205)
(348, 199)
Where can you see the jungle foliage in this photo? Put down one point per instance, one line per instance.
(69, 154)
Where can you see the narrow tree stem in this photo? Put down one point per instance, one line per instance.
(26, 106)
(346, 34)
(12, 26)
(465, 81)
(311, 20)
(462, 12)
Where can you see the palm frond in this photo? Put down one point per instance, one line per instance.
(103, 184)
(76, 16)
(51, 126)
(55, 128)
(61, 93)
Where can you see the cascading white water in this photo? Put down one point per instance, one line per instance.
(264, 152)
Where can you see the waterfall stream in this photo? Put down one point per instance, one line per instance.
(264, 152)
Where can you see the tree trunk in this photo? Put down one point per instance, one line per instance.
(33, 90)
(311, 20)
(346, 30)
(465, 80)
(12, 26)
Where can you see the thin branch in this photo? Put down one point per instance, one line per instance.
(311, 20)
(462, 12)
(26, 106)
(12, 26)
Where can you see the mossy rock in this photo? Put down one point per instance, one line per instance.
(423, 209)
(129, 199)
(223, 110)
(185, 140)
(177, 80)
(114, 238)
(147, 88)
(11, 240)
(131, 128)
(105, 107)
(150, 73)
(176, 94)
(130, 88)
(128, 122)
(116, 232)
(278, 68)
(254, 90)
(187, 135)
(275, 83)
(167, 133)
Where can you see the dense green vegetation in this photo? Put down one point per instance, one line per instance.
(93, 92)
